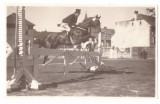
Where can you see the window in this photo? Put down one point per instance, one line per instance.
(140, 23)
(132, 23)
(127, 50)
(152, 35)
(152, 38)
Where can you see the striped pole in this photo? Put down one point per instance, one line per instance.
(20, 33)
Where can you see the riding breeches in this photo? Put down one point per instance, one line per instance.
(64, 26)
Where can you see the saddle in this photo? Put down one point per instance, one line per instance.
(68, 35)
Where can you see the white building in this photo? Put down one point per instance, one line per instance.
(136, 37)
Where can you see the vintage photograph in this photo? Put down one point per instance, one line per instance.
(99, 51)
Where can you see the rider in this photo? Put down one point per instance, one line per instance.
(69, 22)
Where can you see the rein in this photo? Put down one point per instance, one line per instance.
(81, 28)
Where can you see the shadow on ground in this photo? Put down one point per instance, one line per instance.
(91, 76)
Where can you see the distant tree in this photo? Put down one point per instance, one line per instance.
(151, 11)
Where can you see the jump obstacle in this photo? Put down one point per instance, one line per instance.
(21, 40)
(94, 58)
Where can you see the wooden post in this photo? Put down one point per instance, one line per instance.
(65, 62)
(99, 42)
(15, 46)
(35, 61)
(99, 61)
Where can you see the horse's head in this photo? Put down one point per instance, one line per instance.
(97, 21)
(80, 33)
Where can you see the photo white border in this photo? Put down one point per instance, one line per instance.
(69, 100)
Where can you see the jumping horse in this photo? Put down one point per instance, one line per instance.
(77, 35)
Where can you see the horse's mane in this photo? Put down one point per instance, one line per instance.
(85, 22)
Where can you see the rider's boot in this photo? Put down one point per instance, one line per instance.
(67, 37)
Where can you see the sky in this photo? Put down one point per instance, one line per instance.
(47, 17)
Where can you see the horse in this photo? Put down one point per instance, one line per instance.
(77, 35)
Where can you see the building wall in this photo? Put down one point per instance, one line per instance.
(138, 35)
(11, 36)
(132, 34)
(11, 33)
(106, 39)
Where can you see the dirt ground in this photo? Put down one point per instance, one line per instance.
(120, 78)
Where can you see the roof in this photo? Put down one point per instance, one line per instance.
(11, 19)
(149, 19)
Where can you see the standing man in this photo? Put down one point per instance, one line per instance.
(69, 22)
